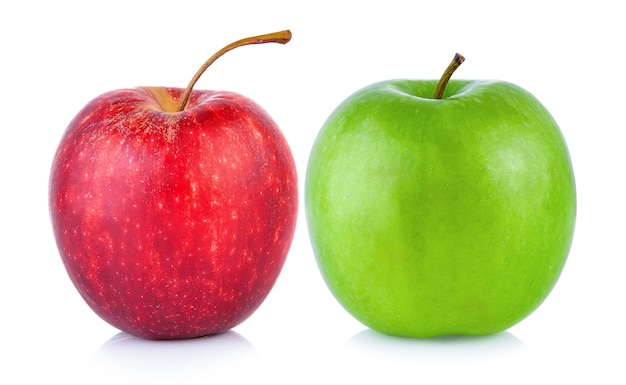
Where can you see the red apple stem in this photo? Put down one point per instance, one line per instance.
(281, 37)
(443, 82)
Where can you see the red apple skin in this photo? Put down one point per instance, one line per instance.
(173, 224)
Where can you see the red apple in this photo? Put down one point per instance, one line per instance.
(174, 210)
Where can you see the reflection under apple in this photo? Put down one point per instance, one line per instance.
(126, 356)
(443, 348)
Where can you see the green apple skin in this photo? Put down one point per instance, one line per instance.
(433, 217)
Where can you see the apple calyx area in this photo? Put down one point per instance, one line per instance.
(281, 37)
(454, 64)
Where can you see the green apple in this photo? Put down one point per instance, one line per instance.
(438, 208)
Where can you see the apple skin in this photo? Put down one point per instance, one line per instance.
(433, 217)
(173, 224)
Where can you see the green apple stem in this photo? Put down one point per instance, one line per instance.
(454, 64)
(281, 37)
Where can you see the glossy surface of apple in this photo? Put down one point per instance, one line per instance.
(443, 216)
(173, 224)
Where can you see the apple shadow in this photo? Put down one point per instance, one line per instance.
(446, 348)
(126, 357)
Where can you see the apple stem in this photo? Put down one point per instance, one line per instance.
(454, 64)
(281, 37)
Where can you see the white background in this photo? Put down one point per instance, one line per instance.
(55, 56)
